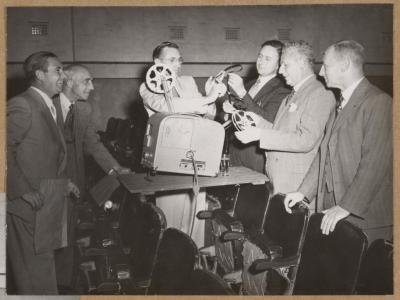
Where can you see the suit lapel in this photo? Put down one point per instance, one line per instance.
(355, 100)
(52, 125)
(297, 97)
(264, 90)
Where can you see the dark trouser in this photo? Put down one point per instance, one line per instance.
(34, 274)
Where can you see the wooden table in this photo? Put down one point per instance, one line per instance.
(143, 184)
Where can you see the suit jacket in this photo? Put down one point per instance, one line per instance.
(187, 90)
(293, 140)
(35, 150)
(266, 104)
(268, 99)
(360, 142)
(86, 142)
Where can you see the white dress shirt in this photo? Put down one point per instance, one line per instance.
(257, 86)
(346, 94)
(48, 102)
(65, 105)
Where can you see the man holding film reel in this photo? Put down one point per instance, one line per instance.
(178, 94)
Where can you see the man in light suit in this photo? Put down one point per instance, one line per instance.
(262, 96)
(178, 206)
(352, 176)
(292, 141)
(185, 94)
(35, 151)
(76, 121)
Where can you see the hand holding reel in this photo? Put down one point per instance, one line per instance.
(160, 79)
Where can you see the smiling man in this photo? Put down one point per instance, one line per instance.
(292, 141)
(262, 96)
(35, 151)
(76, 121)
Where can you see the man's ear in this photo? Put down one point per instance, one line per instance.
(39, 74)
(69, 82)
(345, 64)
(157, 61)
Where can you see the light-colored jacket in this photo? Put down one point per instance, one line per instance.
(293, 140)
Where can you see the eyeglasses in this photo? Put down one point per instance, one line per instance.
(173, 60)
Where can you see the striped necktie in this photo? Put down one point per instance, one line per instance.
(289, 97)
(339, 104)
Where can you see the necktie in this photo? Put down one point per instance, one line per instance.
(53, 112)
(289, 97)
(339, 104)
(69, 124)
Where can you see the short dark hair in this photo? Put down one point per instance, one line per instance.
(157, 50)
(278, 45)
(36, 61)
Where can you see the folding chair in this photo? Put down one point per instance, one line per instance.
(271, 258)
(246, 216)
(330, 264)
(177, 257)
(376, 273)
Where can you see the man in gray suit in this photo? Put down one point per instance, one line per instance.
(292, 140)
(352, 175)
(76, 121)
(35, 152)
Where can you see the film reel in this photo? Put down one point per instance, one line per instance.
(155, 76)
(242, 120)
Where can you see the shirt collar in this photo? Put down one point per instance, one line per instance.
(64, 101)
(264, 79)
(346, 94)
(45, 97)
(298, 85)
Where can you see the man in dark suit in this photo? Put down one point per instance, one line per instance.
(352, 175)
(262, 96)
(76, 120)
(35, 151)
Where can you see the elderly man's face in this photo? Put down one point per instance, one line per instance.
(291, 68)
(52, 79)
(172, 58)
(330, 69)
(267, 61)
(82, 84)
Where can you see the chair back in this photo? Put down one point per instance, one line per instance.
(330, 264)
(203, 282)
(376, 273)
(176, 260)
(251, 204)
(143, 225)
(286, 230)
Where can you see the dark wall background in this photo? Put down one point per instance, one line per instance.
(116, 42)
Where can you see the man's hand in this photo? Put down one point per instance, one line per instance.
(72, 189)
(332, 216)
(121, 170)
(236, 83)
(228, 108)
(291, 199)
(34, 199)
(248, 135)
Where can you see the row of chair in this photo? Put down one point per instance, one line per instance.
(258, 245)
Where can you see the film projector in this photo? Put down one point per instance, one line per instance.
(179, 142)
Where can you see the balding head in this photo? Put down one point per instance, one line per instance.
(78, 83)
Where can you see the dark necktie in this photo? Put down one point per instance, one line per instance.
(339, 104)
(69, 124)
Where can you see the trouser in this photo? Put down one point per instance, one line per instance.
(34, 274)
